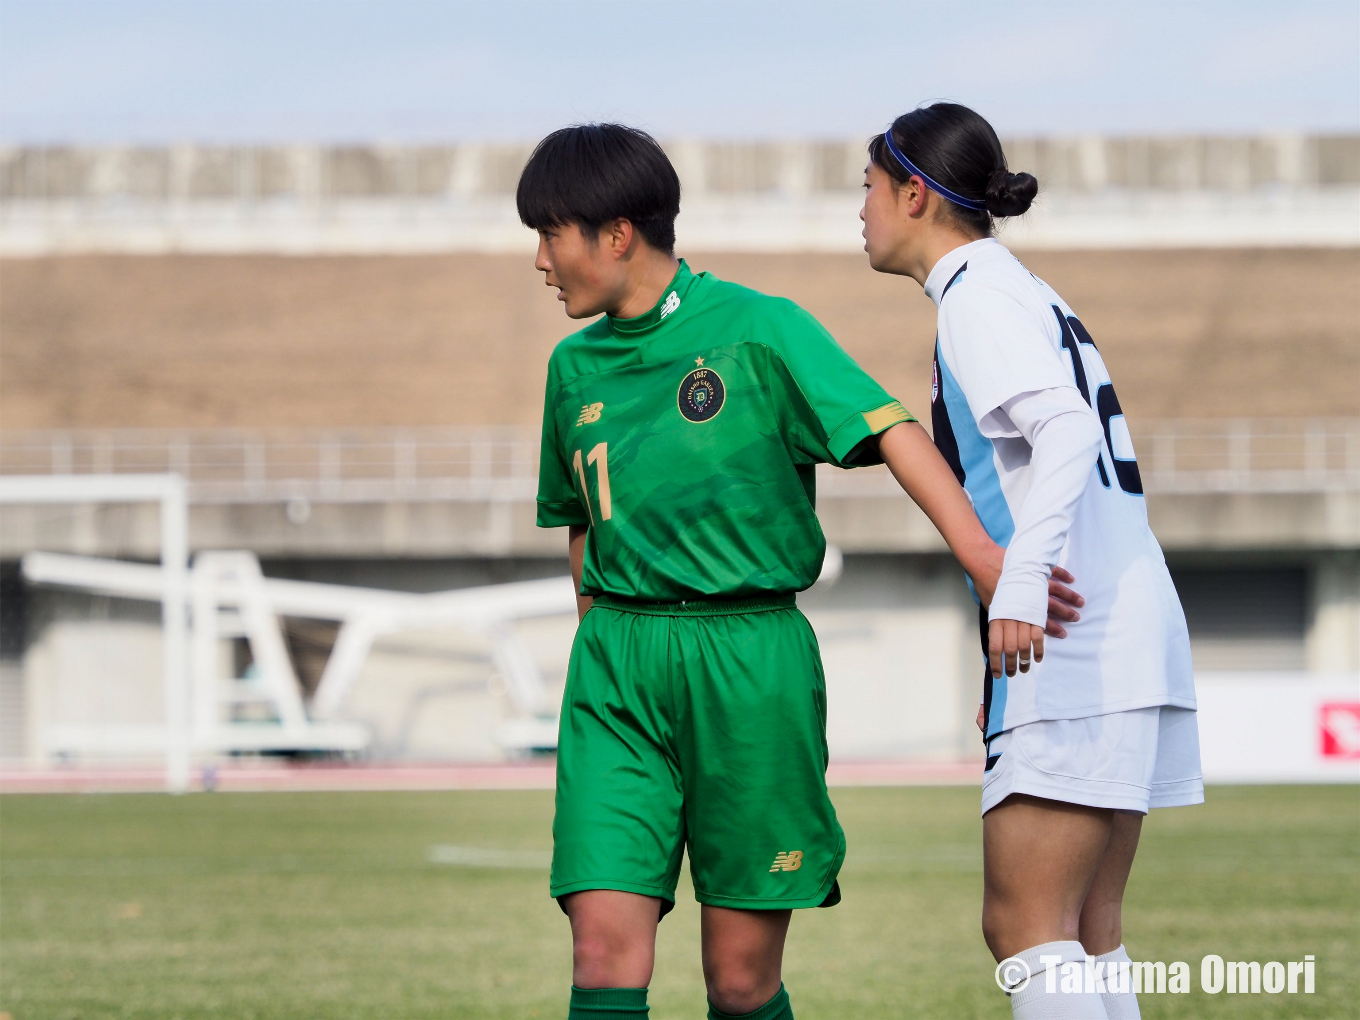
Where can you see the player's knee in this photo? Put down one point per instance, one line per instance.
(1001, 926)
(591, 960)
(1009, 926)
(996, 925)
(740, 989)
(1102, 926)
(600, 958)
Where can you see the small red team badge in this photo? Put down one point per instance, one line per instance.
(1339, 725)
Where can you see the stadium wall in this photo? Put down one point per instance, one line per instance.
(759, 196)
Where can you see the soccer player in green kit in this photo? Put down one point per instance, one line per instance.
(681, 430)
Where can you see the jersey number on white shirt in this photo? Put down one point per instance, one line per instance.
(1106, 404)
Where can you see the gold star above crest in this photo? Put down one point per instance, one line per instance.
(698, 361)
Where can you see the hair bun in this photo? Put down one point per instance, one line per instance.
(1010, 194)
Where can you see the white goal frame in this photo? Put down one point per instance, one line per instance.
(169, 492)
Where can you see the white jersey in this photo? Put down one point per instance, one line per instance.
(1004, 334)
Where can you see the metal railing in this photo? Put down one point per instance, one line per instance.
(1251, 455)
(500, 464)
(322, 465)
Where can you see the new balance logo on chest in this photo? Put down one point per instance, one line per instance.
(589, 413)
(672, 303)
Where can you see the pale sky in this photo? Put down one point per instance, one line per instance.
(412, 70)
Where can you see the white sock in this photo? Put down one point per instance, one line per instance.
(1120, 1005)
(1036, 1002)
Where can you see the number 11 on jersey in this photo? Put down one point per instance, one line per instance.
(599, 456)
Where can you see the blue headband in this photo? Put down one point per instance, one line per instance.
(939, 189)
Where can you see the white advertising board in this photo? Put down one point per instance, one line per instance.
(1279, 727)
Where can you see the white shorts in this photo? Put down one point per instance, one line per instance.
(1129, 761)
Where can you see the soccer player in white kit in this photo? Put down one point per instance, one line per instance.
(1084, 737)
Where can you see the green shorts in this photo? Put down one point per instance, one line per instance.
(698, 725)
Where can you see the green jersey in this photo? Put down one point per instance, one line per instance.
(686, 439)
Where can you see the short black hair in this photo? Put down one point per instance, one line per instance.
(956, 147)
(589, 174)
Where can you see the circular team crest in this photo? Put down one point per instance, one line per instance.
(701, 395)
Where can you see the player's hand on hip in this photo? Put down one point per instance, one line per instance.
(1013, 645)
(1063, 602)
(982, 719)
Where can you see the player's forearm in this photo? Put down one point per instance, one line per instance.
(921, 471)
(576, 553)
(1065, 450)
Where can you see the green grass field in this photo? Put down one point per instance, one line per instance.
(300, 906)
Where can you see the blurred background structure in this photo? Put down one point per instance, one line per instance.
(757, 196)
(340, 347)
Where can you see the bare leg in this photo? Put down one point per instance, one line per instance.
(613, 937)
(1102, 928)
(1040, 858)
(743, 956)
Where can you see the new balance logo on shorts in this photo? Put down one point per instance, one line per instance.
(589, 413)
(787, 860)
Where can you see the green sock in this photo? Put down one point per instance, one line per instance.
(607, 1003)
(777, 1008)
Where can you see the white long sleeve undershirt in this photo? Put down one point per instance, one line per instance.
(1065, 439)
